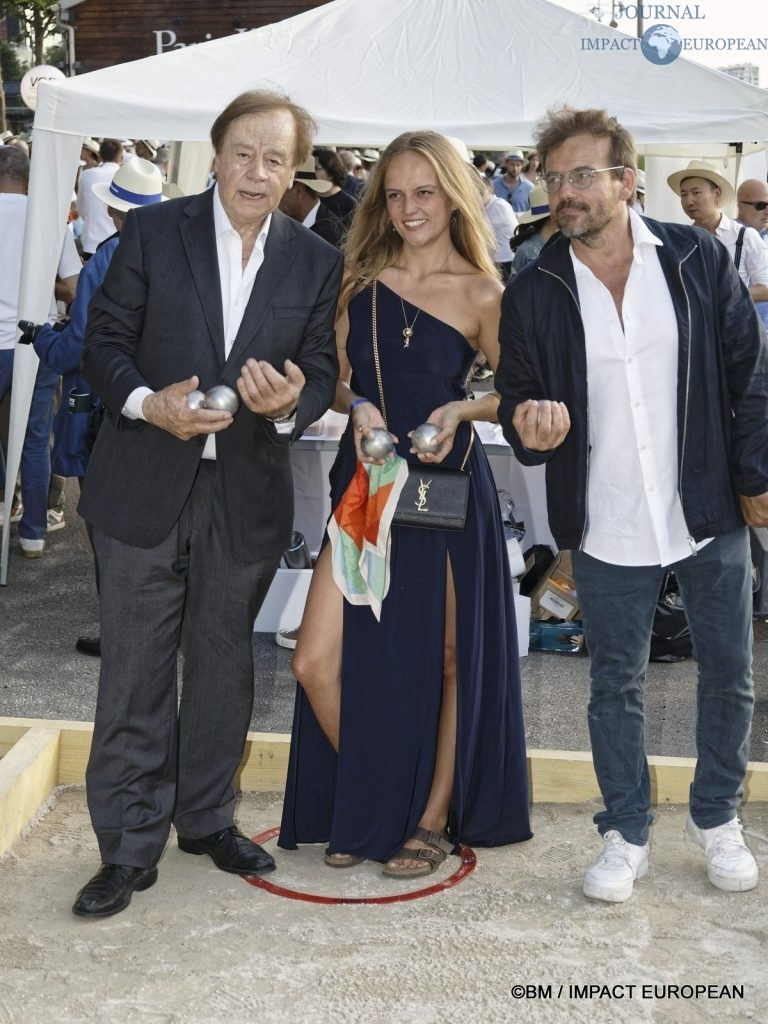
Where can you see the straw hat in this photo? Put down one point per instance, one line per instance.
(92, 146)
(152, 145)
(136, 183)
(701, 169)
(539, 201)
(306, 174)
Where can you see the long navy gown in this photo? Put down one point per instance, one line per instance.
(368, 799)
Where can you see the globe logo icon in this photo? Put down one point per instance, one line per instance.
(661, 44)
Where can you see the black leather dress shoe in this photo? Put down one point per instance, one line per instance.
(111, 888)
(89, 645)
(231, 851)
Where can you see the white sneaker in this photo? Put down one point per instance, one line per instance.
(31, 548)
(287, 638)
(730, 864)
(613, 874)
(55, 520)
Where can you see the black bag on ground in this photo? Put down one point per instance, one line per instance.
(670, 636)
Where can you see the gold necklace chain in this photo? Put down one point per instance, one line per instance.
(408, 329)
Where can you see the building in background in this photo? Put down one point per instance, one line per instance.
(749, 73)
(101, 33)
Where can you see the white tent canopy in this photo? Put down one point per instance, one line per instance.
(482, 70)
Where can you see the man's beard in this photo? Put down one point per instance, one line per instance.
(588, 226)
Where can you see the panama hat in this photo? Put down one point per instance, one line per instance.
(152, 145)
(539, 201)
(306, 174)
(92, 146)
(640, 181)
(137, 183)
(700, 169)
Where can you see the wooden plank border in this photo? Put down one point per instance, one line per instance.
(38, 755)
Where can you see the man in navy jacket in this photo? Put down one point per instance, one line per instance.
(634, 366)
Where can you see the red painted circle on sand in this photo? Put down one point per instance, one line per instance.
(467, 866)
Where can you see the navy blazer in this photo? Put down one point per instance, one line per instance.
(156, 320)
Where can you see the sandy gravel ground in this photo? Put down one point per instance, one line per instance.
(514, 941)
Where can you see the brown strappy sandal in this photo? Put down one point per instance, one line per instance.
(430, 856)
(342, 860)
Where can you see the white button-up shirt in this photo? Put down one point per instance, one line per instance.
(635, 516)
(236, 286)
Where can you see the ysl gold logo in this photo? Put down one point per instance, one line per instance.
(421, 504)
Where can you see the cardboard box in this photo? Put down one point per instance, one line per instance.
(554, 596)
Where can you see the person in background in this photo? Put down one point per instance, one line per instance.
(633, 367)
(535, 228)
(97, 224)
(511, 185)
(329, 167)
(752, 199)
(503, 223)
(532, 168)
(36, 450)
(703, 191)
(137, 183)
(301, 201)
(192, 507)
(408, 732)
(353, 182)
(146, 148)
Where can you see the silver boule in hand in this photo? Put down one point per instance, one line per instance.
(423, 438)
(195, 400)
(378, 445)
(223, 398)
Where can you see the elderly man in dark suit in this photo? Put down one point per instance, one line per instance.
(192, 507)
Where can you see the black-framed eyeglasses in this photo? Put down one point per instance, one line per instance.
(579, 177)
(760, 205)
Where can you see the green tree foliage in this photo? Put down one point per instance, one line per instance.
(37, 19)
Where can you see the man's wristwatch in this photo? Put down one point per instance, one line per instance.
(284, 418)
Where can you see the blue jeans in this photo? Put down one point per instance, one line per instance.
(36, 451)
(617, 604)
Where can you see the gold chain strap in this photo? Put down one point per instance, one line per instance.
(377, 365)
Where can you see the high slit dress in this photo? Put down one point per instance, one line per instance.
(368, 799)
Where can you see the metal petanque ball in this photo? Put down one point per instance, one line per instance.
(195, 400)
(223, 398)
(379, 445)
(423, 438)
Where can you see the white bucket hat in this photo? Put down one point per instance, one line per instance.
(136, 183)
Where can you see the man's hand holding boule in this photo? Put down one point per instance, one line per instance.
(168, 410)
(541, 425)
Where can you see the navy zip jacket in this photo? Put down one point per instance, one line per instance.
(722, 380)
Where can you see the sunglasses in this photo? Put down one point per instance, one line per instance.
(758, 206)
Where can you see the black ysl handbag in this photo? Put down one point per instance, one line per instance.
(433, 497)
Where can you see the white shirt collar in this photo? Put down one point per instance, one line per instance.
(641, 236)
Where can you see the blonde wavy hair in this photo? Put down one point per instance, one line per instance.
(372, 244)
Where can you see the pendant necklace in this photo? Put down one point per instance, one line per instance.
(408, 329)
